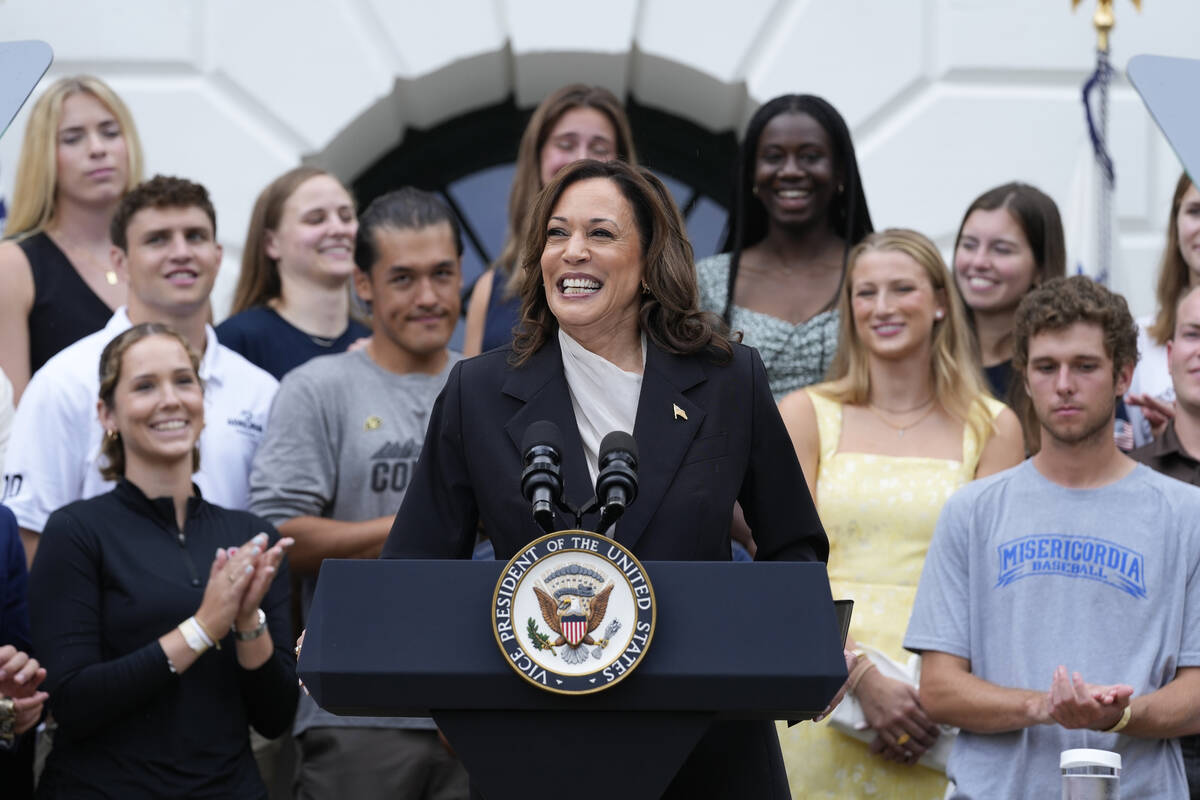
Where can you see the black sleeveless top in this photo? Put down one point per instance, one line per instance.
(65, 309)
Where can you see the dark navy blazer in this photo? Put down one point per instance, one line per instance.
(728, 444)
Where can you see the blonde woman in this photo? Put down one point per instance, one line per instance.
(57, 283)
(904, 420)
(575, 122)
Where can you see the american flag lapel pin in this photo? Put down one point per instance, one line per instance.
(679, 412)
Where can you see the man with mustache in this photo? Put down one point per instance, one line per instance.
(1059, 606)
(343, 439)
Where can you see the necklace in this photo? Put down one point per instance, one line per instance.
(900, 430)
(80, 256)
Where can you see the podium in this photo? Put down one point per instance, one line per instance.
(413, 638)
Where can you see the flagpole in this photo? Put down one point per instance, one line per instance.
(1103, 21)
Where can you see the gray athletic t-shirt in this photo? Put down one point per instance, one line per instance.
(342, 441)
(1023, 575)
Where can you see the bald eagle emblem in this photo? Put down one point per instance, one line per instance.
(573, 605)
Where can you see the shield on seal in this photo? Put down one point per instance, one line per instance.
(574, 628)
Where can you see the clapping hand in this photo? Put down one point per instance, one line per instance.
(1073, 703)
(20, 676)
(266, 566)
(237, 581)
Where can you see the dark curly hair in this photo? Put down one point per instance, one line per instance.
(161, 191)
(670, 312)
(1061, 302)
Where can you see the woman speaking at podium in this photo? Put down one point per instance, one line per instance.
(611, 338)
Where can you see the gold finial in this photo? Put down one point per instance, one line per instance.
(1103, 19)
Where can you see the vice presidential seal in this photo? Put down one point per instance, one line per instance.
(574, 612)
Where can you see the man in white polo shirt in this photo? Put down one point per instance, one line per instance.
(164, 243)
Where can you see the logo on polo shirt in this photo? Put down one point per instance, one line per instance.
(1084, 557)
(244, 423)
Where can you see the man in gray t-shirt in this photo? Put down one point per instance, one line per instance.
(1059, 606)
(344, 436)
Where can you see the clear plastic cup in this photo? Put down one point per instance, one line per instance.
(1090, 775)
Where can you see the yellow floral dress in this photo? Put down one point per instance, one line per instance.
(879, 513)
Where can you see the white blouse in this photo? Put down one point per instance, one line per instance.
(604, 396)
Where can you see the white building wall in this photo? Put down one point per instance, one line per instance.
(945, 98)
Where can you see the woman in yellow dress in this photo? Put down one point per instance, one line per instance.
(904, 420)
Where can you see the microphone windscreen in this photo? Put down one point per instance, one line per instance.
(618, 441)
(542, 432)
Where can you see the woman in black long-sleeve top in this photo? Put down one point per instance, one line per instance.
(159, 655)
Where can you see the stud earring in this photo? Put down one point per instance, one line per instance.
(939, 314)
(645, 287)
(111, 435)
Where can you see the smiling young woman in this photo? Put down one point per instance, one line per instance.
(904, 421)
(798, 209)
(80, 155)
(572, 123)
(1010, 241)
(135, 705)
(292, 301)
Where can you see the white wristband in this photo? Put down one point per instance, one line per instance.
(194, 635)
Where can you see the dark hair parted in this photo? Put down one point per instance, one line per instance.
(112, 448)
(259, 280)
(1061, 302)
(670, 315)
(161, 191)
(1037, 216)
(848, 214)
(403, 209)
(1174, 275)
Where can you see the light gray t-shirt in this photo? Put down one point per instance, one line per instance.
(342, 442)
(1023, 575)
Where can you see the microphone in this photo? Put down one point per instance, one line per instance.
(616, 483)
(541, 481)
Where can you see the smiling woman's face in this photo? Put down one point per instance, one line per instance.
(158, 404)
(993, 263)
(592, 261)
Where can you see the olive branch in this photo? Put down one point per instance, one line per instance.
(540, 640)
